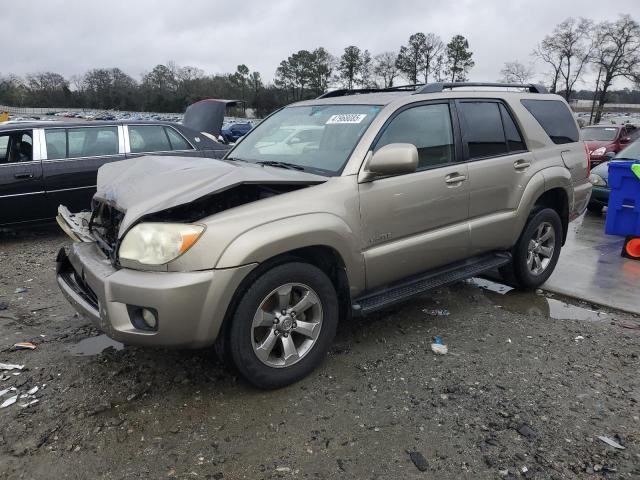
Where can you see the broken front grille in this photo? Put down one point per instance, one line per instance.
(104, 225)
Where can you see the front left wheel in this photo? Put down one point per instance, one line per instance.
(283, 325)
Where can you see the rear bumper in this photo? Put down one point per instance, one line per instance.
(190, 306)
(581, 196)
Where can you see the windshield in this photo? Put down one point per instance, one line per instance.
(317, 138)
(632, 152)
(601, 134)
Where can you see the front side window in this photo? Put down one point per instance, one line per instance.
(16, 147)
(428, 127)
(148, 138)
(555, 118)
(92, 142)
(331, 132)
(483, 132)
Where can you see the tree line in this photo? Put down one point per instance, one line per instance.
(610, 50)
(575, 47)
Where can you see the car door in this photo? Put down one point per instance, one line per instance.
(500, 167)
(73, 157)
(416, 222)
(157, 139)
(22, 196)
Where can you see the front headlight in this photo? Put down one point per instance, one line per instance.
(158, 243)
(598, 152)
(597, 180)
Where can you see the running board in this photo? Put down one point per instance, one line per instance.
(440, 277)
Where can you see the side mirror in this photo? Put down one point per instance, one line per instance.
(625, 140)
(393, 159)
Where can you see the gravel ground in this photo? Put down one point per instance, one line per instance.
(525, 391)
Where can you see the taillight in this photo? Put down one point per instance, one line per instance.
(586, 151)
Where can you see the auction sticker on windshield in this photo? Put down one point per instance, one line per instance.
(346, 118)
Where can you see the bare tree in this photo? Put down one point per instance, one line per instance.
(617, 54)
(385, 68)
(516, 72)
(568, 49)
(551, 55)
(433, 48)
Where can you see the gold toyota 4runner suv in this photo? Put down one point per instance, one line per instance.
(330, 207)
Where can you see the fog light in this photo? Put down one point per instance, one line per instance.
(149, 318)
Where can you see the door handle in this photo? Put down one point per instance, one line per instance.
(521, 165)
(23, 175)
(454, 178)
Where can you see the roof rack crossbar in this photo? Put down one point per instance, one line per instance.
(359, 91)
(439, 87)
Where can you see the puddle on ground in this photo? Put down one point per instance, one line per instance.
(528, 303)
(93, 346)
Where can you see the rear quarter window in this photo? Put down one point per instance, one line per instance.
(555, 118)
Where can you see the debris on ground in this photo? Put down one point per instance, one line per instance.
(419, 461)
(24, 346)
(4, 305)
(437, 312)
(578, 338)
(611, 442)
(438, 347)
(526, 431)
(20, 290)
(10, 366)
(9, 401)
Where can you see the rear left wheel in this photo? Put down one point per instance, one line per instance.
(536, 254)
(283, 325)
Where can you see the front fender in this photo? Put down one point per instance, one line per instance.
(315, 229)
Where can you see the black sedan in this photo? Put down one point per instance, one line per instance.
(45, 164)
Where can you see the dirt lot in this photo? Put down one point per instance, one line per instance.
(524, 391)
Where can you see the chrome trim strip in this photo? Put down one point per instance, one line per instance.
(71, 159)
(22, 194)
(70, 189)
(13, 164)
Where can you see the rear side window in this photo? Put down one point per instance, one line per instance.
(514, 140)
(483, 132)
(92, 142)
(56, 143)
(176, 140)
(555, 118)
(148, 138)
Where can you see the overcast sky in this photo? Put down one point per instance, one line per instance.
(72, 36)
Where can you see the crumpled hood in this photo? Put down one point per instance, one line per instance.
(150, 184)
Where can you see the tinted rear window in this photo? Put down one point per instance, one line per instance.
(555, 118)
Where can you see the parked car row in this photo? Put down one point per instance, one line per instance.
(45, 164)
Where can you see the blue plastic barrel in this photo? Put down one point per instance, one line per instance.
(623, 214)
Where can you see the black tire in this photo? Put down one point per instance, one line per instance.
(239, 340)
(518, 273)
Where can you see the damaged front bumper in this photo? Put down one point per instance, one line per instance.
(190, 306)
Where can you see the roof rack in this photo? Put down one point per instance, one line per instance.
(360, 91)
(439, 87)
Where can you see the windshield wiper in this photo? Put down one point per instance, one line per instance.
(236, 159)
(273, 163)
